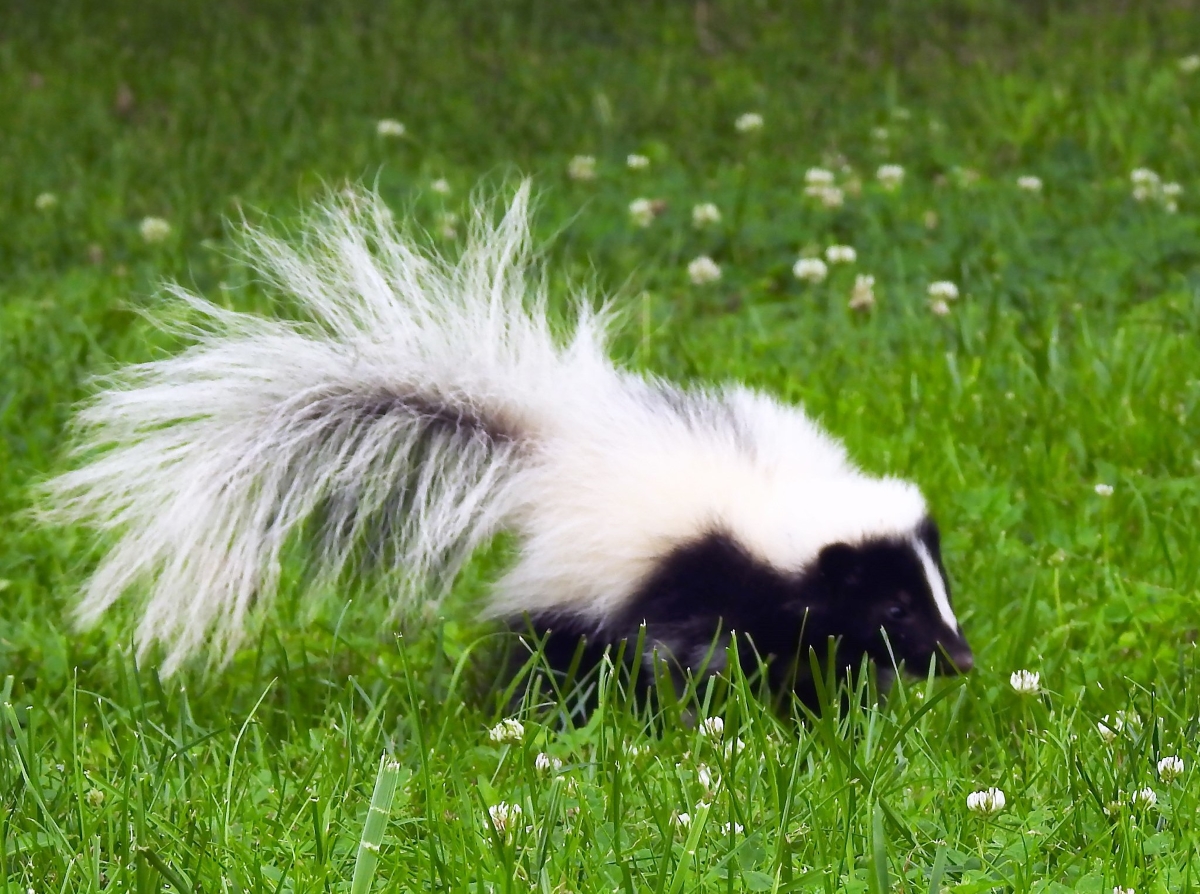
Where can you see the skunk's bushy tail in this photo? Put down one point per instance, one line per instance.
(402, 409)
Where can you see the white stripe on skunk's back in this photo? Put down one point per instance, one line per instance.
(639, 469)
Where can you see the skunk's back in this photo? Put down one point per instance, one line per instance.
(655, 468)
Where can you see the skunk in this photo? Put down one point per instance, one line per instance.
(424, 405)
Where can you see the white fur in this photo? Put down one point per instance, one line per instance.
(201, 466)
(937, 586)
(616, 493)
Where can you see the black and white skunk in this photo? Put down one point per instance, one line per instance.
(427, 404)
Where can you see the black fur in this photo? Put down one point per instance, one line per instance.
(436, 414)
(867, 601)
(438, 419)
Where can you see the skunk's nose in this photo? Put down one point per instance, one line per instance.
(963, 661)
(955, 658)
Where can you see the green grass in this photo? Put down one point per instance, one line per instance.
(1072, 358)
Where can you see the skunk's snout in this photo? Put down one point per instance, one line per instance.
(955, 658)
(963, 660)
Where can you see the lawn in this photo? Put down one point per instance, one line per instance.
(1050, 411)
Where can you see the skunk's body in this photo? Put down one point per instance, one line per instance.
(426, 405)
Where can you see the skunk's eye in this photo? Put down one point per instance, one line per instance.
(896, 612)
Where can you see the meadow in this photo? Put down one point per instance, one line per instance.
(1042, 158)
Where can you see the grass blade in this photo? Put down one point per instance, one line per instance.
(377, 816)
(880, 883)
(938, 870)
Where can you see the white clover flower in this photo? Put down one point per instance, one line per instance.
(820, 186)
(1104, 490)
(811, 270)
(1144, 177)
(1108, 728)
(704, 214)
(45, 201)
(1025, 682)
(154, 229)
(448, 225)
(706, 777)
(94, 798)
(582, 167)
(544, 763)
(1029, 183)
(1144, 798)
(681, 820)
(1148, 186)
(943, 289)
(880, 134)
(505, 816)
(713, 727)
(389, 127)
(1119, 890)
(748, 122)
(986, 802)
(841, 254)
(831, 197)
(1189, 64)
(703, 270)
(641, 212)
(735, 828)
(890, 176)
(1170, 769)
(737, 746)
(636, 162)
(862, 296)
(507, 730)
(939, 308)
(441, 186)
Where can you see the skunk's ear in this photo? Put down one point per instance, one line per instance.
(929, 533)
(840, 564)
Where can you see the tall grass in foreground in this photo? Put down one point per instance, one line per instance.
(1040, 159)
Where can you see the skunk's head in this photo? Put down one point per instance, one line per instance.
(884, 599)
(887, 599)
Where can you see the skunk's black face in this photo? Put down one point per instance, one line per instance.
(889, 600)
(885, 600)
